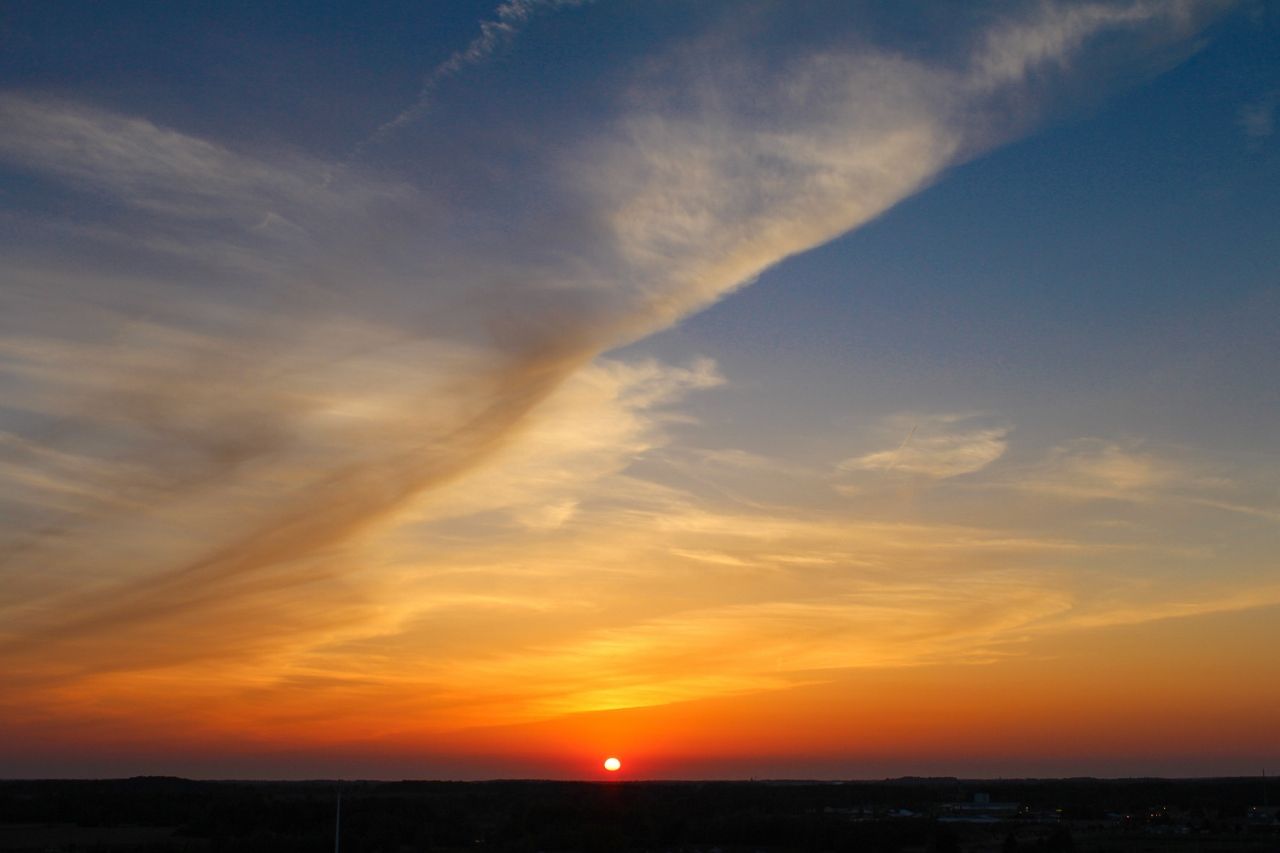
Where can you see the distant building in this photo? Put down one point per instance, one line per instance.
(1265, 815)
(980, 810)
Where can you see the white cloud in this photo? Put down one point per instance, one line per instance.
(1258, 119)
(1055, 32)
(937, 446)
(164, 171)
(1092, 468)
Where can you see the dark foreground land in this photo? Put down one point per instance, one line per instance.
(159, 815)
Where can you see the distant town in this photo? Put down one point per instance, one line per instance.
(910, 815)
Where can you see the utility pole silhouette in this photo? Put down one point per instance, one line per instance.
(337, 825)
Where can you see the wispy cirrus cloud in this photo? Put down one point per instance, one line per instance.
(140, 164)
(936, 446)
(1258, 119)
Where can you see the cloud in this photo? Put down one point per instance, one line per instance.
(1257, 119)
(937, 446)
(1097, 469)
(136, 161)
(1053, 34)
(746, 648)
(142, 583)
(598, 421)
(1109, 466)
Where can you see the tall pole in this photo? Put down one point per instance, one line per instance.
(337, 825)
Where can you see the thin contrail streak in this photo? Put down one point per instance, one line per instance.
(507, 22)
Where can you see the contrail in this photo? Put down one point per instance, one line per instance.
(508, 20)
(907, 440)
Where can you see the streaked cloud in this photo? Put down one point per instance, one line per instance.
(936, 446)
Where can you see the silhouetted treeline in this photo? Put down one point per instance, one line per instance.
(396, 817)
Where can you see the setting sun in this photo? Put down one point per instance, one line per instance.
(612, 765)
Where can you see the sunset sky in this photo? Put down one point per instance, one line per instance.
(837, 389)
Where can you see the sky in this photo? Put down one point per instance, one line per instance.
(743, 389)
